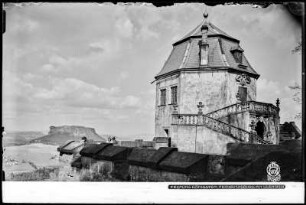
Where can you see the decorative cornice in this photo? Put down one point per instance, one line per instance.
(208, 69)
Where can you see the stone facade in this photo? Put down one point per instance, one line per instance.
(214, 89)
(163, 112)
(223, 90)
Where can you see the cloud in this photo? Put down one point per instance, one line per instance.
(123, 75)
(24, 25)
(70, 92)
(130, 102)
(268, 91)
(109, 47)
(57, 60)
(124, 27)
(48, 68)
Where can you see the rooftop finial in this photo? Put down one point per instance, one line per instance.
(205, 22)
(205, 13)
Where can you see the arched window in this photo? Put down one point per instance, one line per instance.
(237, 53)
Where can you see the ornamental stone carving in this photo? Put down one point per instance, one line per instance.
(243, 79)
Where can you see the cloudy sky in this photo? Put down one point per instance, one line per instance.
(93, 64)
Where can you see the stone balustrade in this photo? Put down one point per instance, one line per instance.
(251, 106)
(218, 126)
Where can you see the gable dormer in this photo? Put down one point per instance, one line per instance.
(204, 46)
(237, 53)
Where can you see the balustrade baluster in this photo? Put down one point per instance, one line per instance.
(218, 127)
(209, 122)
(235, 132)
(240, 134)
(228, 129)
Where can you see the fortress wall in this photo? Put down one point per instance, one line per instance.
(200, 140)
(138, 173)
(168, 164)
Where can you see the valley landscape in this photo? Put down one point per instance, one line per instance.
(33, 156)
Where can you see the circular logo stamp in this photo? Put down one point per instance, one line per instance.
(273, 172)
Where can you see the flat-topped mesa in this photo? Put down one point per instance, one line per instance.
(61, 134)
(78, 131)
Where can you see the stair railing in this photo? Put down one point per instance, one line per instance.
(236, 133)
(252, 106)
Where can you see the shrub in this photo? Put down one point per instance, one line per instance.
(37, 175)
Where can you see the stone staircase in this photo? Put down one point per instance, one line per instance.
(211, 120)
(251, 106)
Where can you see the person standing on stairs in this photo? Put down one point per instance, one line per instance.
(260, 127)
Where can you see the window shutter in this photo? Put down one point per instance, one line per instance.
(174, 95)
(163, 97)
(243, 94)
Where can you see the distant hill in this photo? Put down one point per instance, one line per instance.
(144, 136)
(19, 138)
(61, 134)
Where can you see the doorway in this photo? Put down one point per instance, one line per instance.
(168, 137)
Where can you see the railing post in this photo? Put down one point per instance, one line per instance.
(175, 109)
(200, 107)
(277, 102)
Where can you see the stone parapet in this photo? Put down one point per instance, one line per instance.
(92, 149)
(169, 164)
